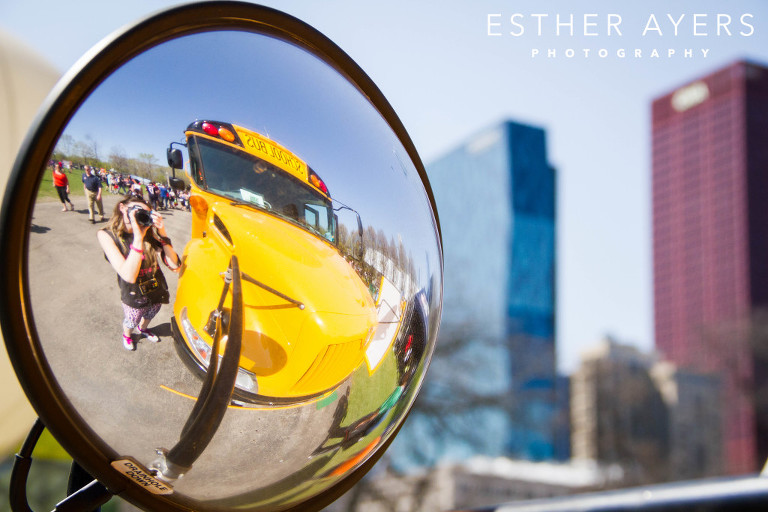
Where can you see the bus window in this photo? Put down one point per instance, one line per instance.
(195, 169)
(233, 173)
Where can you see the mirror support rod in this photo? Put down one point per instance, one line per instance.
(214, 324)
(20, 472)
(214, 329)
(90, 497)
(205, 420)
(251, 280)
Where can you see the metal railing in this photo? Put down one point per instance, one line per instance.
(709, 495)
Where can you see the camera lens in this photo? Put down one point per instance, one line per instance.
(143, 217)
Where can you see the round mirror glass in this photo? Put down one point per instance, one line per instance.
(226, 210)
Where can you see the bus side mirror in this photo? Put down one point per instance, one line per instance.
(138, 422)
(177, 183)
(350, 235)
(175, 160)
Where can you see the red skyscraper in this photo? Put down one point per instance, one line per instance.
(710, 244)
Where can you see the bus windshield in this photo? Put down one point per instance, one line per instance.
(253, 182)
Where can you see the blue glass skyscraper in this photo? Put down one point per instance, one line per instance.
(494, 368)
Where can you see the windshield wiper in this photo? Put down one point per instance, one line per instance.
(239, 202)
(283, 296)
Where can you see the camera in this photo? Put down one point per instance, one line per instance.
(143, 217)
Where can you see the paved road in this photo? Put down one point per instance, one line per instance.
(138, 401)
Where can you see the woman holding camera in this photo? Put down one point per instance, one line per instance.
(134, 241)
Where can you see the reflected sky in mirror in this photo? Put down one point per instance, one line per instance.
(288, 95)
(272, 88)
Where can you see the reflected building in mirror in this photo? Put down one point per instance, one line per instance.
(494, 364)
(710, 223)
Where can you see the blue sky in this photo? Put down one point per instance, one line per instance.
(283, 92)
(448, 79)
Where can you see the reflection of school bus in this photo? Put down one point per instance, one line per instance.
(308, 317)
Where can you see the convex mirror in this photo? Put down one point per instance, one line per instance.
(298, 249)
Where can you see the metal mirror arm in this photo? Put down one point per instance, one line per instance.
(215, 396)
(214, 328)
(90, 497)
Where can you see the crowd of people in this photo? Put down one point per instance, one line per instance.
(158, 195)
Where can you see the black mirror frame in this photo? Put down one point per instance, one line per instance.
(16, 314)
(175, 160)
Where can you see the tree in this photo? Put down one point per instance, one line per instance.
(344, 240)
(65, 146)
(464, 395)
(449, 411)
(632, 421)
(81, 152)
(119, 160)
(91, 150)
(737, 351)
(146, 164)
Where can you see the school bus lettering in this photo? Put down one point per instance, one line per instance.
(286, 159)
(254, 143)
(271, 152)
(258, 145)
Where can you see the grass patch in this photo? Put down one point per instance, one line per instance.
(369, 392)
(50, 449)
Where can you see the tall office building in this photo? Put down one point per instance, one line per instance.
(710, 243)
(495, 196)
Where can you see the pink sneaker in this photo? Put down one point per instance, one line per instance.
(149, 335)
(128, 343)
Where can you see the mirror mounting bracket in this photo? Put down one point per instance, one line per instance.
(88, 498)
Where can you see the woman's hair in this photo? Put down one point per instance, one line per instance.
(116, 225)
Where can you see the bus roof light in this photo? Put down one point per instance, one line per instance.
(210, 129)
(226, 134)
(318, 183)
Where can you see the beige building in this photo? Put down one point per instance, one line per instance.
(657, 422)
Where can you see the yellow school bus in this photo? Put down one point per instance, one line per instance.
(308, 316)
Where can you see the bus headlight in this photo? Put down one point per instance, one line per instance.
(198, 345)
(245, 380)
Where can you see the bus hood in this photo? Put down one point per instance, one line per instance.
(291, 261)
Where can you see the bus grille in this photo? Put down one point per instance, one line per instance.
(330, 367)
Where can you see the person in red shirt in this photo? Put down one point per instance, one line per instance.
(61, 183)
